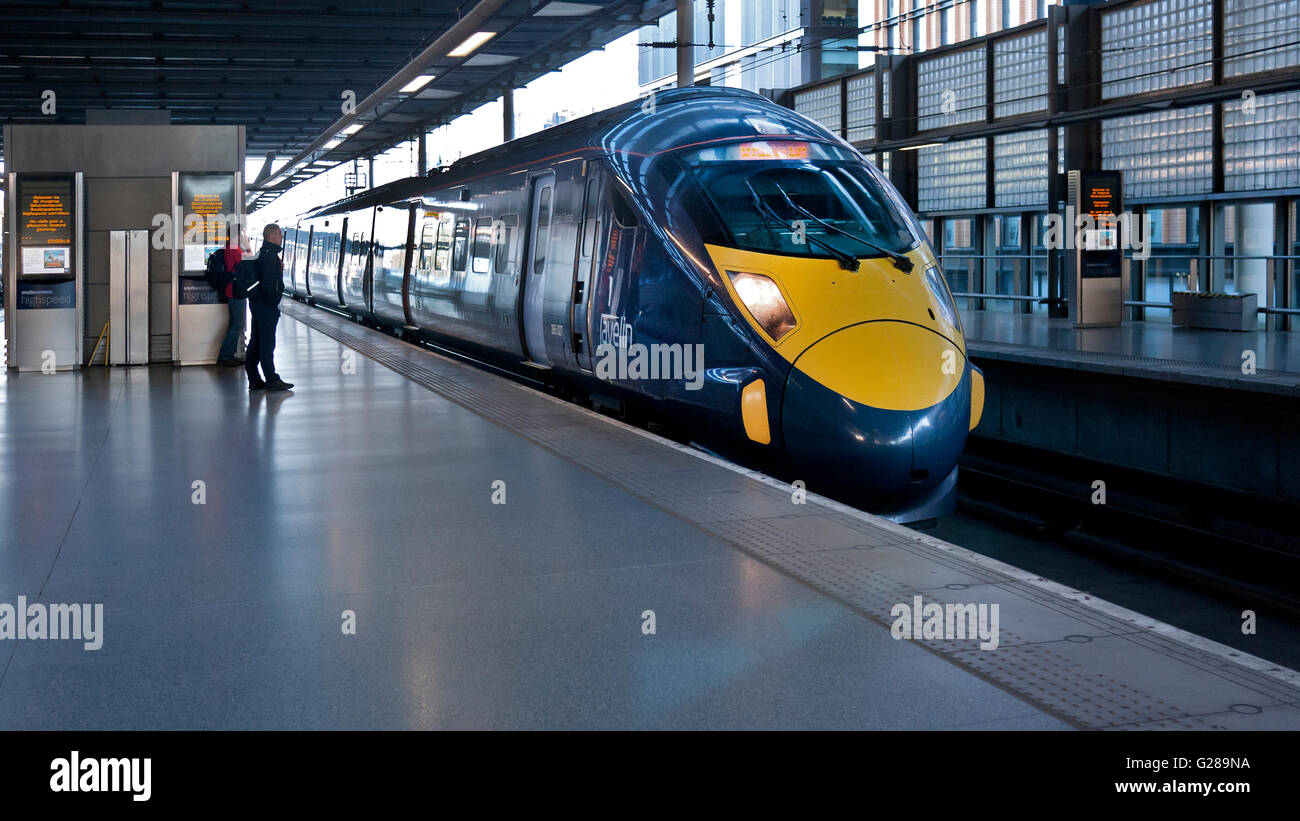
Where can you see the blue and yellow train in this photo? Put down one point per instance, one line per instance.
(705, 254)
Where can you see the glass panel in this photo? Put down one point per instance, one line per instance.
(958, 247)
(951, 89)
(821, 104)
(861, 92)
(460, 244)
(799, 207)
(543, 238)
(1259, 142)
(1175, 240)
(482, 250)
(1020, 74)
(1161, 154)
(951, 176)
(1153, 46)
(1260, 35)
(1020, 168)
(505, 256)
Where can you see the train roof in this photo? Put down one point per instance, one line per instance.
(631, 128)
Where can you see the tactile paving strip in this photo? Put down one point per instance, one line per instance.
(1090, 663)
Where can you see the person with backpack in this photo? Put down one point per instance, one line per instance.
(261, 281)
(221, 276)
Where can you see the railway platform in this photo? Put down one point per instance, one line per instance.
(405, 541)
(1209, 407)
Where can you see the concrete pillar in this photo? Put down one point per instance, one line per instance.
(508, 115)
(685, 38)
(1254, 239)
(423, 161)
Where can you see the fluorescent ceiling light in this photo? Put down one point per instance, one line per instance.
(352, 129)
(472, 43)
(334, 143)
(419, 82)
(918, 147)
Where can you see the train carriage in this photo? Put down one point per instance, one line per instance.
(714, 257)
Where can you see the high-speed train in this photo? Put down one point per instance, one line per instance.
(707, 255)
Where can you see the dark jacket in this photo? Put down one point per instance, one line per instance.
(270, 278)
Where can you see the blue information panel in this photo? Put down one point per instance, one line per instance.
(45, 295)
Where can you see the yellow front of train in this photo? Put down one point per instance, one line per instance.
(821, 259)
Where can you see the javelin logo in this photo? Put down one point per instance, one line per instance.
(618, 357)
(132, 775)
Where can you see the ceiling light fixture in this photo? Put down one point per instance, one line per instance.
(472, 43)
(418, 83)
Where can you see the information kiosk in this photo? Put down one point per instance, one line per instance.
(1098, 259)
(43, 287)
(206, 207)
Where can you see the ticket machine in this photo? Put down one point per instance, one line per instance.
(43, 293)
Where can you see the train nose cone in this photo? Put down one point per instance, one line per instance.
(879, 409)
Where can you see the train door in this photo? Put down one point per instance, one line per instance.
(613, 303)
(539, 241)
(302, 261)
(590, 232)
(340, 244)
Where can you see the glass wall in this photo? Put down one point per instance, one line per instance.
(1175, 240)
(958, 248)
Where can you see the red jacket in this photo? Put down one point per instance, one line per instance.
(233, 256)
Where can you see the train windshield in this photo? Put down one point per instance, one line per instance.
(797, 199)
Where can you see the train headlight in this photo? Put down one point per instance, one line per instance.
(942, 296)
(763, 299)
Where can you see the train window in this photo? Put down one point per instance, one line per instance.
(442, 250)
(773, 198)
(622, 210)
(426, 246)
(460, 246)
(589, 229)
(543, 237)
(505, 244)
(482, 250)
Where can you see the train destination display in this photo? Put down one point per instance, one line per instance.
(45, 227)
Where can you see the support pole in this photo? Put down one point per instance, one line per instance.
(685, 38)
(508, 115)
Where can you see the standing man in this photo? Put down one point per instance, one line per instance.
(264, 302)
(233, 253)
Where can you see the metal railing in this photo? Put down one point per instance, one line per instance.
(1194, 265)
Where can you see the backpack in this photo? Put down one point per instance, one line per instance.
(216, 273)
(246, 279)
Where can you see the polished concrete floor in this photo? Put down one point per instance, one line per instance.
(363, 492)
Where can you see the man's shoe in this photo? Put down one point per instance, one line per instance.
(257, 386)
(279, 385)
(225, 363)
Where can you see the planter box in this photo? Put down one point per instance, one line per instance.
(1228, 312)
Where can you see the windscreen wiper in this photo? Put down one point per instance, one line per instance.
(847, 261)
(901, 262)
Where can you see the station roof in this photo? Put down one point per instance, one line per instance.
(283, 68)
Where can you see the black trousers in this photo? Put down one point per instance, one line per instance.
(261, 347)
